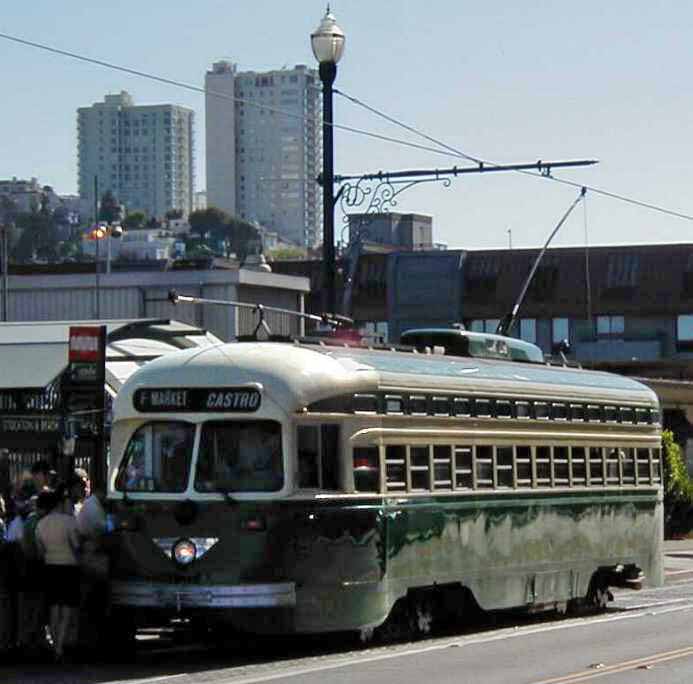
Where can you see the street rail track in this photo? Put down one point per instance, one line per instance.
(313, 662)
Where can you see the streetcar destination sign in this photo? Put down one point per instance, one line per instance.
(197, 399)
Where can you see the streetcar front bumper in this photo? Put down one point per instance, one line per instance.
(179, 597)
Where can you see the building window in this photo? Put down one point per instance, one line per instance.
(487, 325)
(622, 271)
(560, 330)
(545, 280)
(684, 332)
(481, 275)
(610, 326)
(528, 330)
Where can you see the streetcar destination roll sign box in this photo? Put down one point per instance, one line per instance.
(197, 399)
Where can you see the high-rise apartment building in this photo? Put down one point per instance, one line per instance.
(142, 154)
(264, 148)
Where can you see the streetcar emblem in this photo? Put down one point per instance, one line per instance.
(202, 544)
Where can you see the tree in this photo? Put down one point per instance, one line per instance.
(135, 220)
(38, 236)
(8, 210)
(678, 489)
(173, 214)
(243, 238)
(210, 220)
(109, 210)
(287, 253)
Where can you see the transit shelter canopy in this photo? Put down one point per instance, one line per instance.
(33, 354)
(31, 365)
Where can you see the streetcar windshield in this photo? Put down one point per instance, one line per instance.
(240, 456)
(157, 458)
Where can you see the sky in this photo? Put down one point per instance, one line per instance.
(509, 82)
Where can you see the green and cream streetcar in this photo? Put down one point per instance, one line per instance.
(311, 486)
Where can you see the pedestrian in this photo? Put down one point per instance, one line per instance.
(7, 641)
(31, 632)
(94, 561)
(58, 544)
(3, 514)
(22, 509)
(74, 491)
(14, 562)
(41, 474)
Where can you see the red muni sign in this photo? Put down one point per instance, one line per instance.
(85, 344)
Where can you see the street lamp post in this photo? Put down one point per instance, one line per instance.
(100, 232)
(327, 42)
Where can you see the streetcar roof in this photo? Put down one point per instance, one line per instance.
(296, 375)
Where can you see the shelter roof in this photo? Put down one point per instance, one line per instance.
(33, 354)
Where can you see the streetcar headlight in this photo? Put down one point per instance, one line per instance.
(184, 552)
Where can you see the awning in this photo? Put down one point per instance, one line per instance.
(32, 364)
(33, 354)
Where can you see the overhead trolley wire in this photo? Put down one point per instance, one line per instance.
(204, 91)
(486, 162)
(446, 150)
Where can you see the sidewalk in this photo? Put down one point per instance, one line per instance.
(678, 546)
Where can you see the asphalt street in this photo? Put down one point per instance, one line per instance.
(645, 636)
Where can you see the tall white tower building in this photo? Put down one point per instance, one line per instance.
(263, 151)
(142, 154)
(220, 133)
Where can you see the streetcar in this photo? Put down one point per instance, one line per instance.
(313, 486)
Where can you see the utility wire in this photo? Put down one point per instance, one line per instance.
(447, 150)
(591, 188)
(225, 96)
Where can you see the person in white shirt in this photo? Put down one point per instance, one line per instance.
(58, 543)
(91, 524)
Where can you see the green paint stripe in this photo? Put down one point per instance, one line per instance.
(489, 501)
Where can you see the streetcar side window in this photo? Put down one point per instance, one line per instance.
(367, 469)
(308, 451)
(504, 466)
(464, 473)
(396, 467)
(578, 466)
(613, 466)
(318, 456)
(484, 467)
(448, 467)
(642, 466)
(442, 467)
(561, 468)
(596, 465)
(656, 465)
(628, 465)
(420, 468)
(543, 463)
(523, 462)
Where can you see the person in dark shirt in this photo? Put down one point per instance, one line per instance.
(31, 633)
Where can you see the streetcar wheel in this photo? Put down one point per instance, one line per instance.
(422, 615)
(397, 625)
(412, 617)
